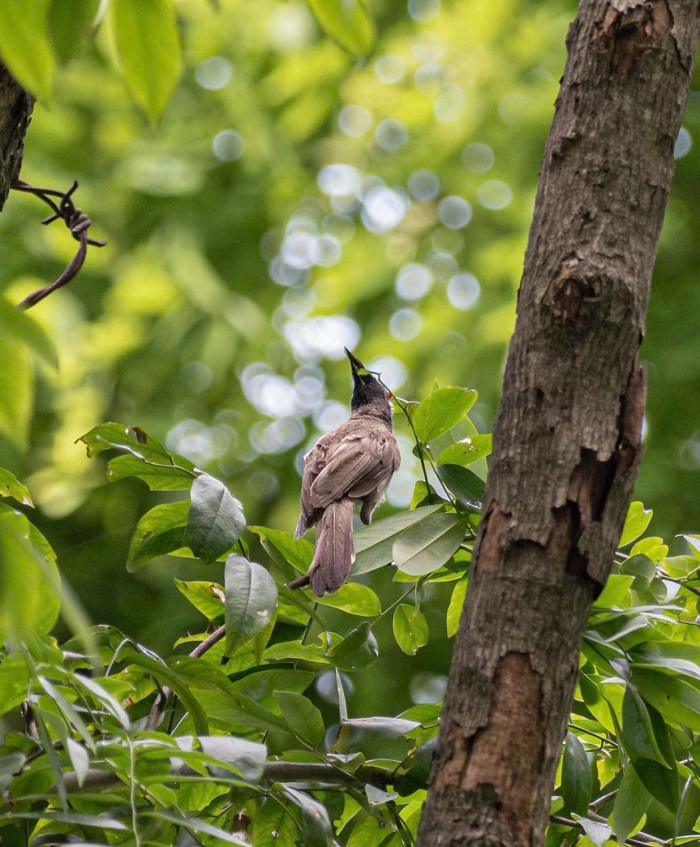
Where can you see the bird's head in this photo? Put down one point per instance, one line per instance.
(368, 394)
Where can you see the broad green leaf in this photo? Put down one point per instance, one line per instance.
(676, 697)
(353, 598)
(274, 826)
(348, 22)
(30, 585)
(14, 682)
(16, 391)
(410, 628)
(636, 522)
(442, 410)
(693, 541)
(284, 549)
(69, 25)
(467, 451)
(374, 543)
(660, 781)
(17, 325)
(247, 758)
(426, 546)
(10, 486)
(172, 471)
(464, 484)
(294, 650)
(161, 530)
(148, 49)
(216, 519)
(637, 732)
(631, 804)
(576, 778)
(251, 600)
(357, 650)
(158, 477)
(102, 821)
(206, 597)
(233, 711)
(367, 733)
(316, 828)
(652, 547)
(454, 610)
(303, 717)
(25, 46)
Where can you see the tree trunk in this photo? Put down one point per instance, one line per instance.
(567, 436)
(15, 114)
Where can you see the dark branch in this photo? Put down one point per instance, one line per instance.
(77, 222)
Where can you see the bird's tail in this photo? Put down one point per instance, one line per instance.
(334, 552)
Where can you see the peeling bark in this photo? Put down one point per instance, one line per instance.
(567, 438)
(15, 114)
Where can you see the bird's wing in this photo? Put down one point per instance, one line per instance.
(354, 468)
(314, 462)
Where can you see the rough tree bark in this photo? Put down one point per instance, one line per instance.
(567, 436)
(15, 114)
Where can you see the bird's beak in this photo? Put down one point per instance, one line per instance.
(355, 363)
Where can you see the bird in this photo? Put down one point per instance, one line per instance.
(352, 463)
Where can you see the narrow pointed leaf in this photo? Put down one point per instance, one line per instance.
(148, 48)
(10, 486)
(348, 22)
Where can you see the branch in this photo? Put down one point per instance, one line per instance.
(78, 224)
(641, 839)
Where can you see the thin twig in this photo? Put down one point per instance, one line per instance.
(640, 839)
(77, 222)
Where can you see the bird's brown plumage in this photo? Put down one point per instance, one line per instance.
(354, 462)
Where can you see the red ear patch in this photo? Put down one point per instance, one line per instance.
(389, 394)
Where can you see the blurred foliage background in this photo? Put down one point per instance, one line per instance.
(291, 201)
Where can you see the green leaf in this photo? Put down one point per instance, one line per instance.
(166, 675)
(148, 49)
(631, 804)
(576, 778)
(16, 391)
(652, 547)
(410, 628)
(316, 828)
(454, 610)
(194, 824)
(637, 732)
(374, 543)
(69, 25)
(367, 733)
(158, 477)
(464, 484)
(467, 451)
(24, 44)
(17, 325)
(206, 597)
(426, 546)
(10, 486)
(274, 826)
(303, 717)
(597, 832)
(14, 682)
(615, 594)
(285, 550)
(30, 585)
(251, 600)
(160, 531)
(661, 782)
(353, 598)
(442, 410)
(636, 522)
(674, 696)
(216, 519)
(246, 758)
(357, 650)
(348, 22)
